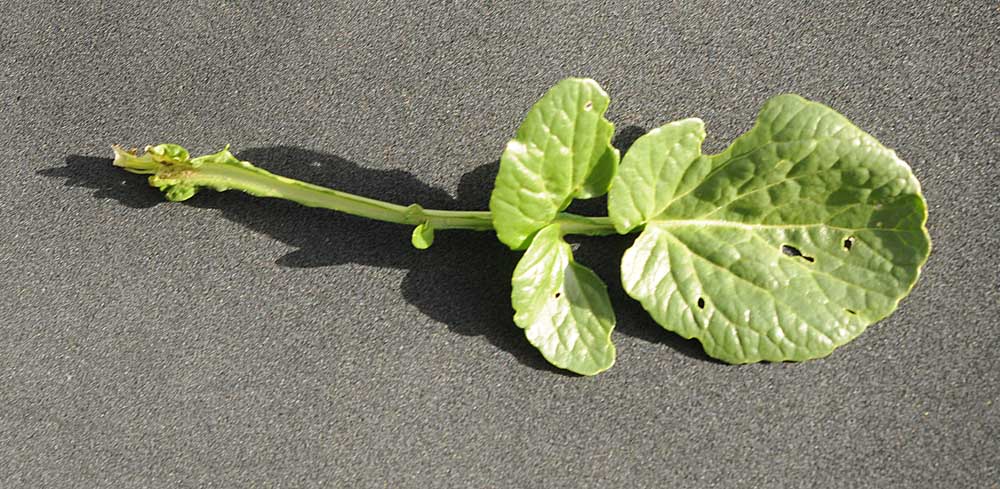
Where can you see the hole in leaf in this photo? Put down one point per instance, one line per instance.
(793, 251)
(848, 243)
(558, 294)
(589, 105)
(701, 303)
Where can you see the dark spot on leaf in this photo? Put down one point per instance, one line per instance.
(850, 311)
(848, 243)
(558, 294)
(793, 251)
(701, 303)
(589, 105)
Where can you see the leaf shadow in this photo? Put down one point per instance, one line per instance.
(463, 281)
(631, 319)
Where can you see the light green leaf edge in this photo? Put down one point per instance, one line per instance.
(562, 306)
(783, 247)
(561, 151)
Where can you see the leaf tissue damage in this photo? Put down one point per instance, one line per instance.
(783, 247)
(800, 234)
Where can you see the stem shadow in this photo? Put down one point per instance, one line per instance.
(463, 281)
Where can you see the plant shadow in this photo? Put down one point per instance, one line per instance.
(462, 281)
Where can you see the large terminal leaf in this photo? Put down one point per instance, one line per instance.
(562, 306)
(783, 247)
(561, 151)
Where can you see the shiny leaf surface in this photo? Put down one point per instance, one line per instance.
(562, 306)
(784, 246)
(562, 151)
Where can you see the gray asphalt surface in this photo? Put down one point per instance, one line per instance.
(240, 342)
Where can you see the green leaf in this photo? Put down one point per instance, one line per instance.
(169, 153)
(562, 306)
(223, 157)
(784, 246)
(173, 177)
(652, 171)
(562, 151)
(423, 236)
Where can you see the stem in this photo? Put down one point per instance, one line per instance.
(179, 177)
(262, 183)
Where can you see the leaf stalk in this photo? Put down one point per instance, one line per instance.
(172, 170)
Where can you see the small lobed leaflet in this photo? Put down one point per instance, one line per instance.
(563, 306)
(783, 247)
(562, 151)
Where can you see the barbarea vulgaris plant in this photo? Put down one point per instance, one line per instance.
(783, 247)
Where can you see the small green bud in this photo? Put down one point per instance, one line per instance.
(423, 236)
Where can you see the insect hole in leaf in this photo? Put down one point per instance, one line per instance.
(793, 251)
